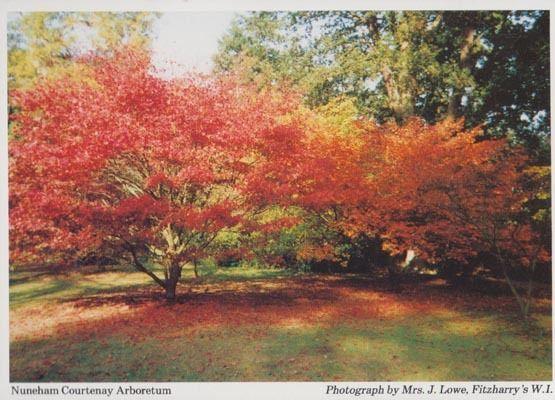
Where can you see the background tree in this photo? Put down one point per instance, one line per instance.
(488, 67)
(43, 44)
(432, 64)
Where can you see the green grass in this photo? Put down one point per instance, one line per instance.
(26, 289)
(73, 285)
(456, 345)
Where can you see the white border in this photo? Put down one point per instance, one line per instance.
(245, 5)
(247, 390)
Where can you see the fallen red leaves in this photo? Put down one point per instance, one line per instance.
(290, 302)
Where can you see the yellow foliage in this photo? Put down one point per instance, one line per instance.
(338, 117)
(45, 43)
(310, 252)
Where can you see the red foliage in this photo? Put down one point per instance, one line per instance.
(142, 164)
(134, 161)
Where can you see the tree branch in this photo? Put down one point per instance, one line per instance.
(140, 267)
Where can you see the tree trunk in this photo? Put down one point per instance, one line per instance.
(523, 301)
(394, 276)
(529, 289)
(171, 285)
(399, 97)
(465, 62)
(174, 273)
(140, 267)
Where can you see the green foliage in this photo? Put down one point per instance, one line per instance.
(491, 67)
(263, 50)
(43, 44)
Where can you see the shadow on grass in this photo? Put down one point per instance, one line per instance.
(41, 284)
(270, 328)
(52, 288)
(252, 292)
(70, 290)
(406, 349)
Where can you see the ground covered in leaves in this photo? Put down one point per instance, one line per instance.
(239, 324)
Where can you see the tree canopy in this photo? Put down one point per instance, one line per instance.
(147, 166)
(319, 137)
(489, 67)
(44, 44)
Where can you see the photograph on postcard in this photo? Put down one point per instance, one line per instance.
(279, 196)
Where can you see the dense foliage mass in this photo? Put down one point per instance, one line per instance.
(146, 166)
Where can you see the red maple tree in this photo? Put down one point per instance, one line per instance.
(150, 168)
(452, 195)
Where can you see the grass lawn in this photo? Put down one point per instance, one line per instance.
(240, 324)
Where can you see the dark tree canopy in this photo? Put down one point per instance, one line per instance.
(490, 67)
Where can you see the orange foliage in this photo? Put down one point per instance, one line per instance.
(444, 191)
(142, 163)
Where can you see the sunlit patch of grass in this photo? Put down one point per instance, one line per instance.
(543, 321)
(209, 272)
(73, 285)
(468, 326)
(26, 289)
